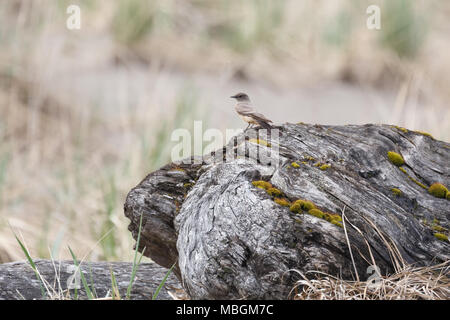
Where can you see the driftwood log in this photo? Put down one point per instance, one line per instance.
(18, 280)
(231, 239)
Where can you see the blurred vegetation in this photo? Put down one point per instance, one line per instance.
(243, 30)
(404, 28)
(337, 32)
(68, 158)
(133, 20)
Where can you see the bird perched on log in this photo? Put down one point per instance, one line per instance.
(248, 112)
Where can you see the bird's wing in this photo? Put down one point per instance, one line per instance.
(248, 110)
(260, 116)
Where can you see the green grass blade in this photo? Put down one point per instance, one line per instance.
(135, 264)
(33, 265)
(83, 279)
(114, 287)
(91, 278)
(155, 295)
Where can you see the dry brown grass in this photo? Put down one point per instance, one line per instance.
(406, 283)
(427, 283)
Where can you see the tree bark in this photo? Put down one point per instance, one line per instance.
(233, 240)
(19, 281)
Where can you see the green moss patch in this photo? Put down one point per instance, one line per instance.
(441, 236)
(297, 206)
(424, 134)
(300, 206)
(325, 166)
(396, 192)
(417, 182)
(337, 223)
(438, 228)
(395, 158)
(308, 205)
(333, 217)
(282, 202)
(295, 165)
(262, 184)
(438, 190)
(274, 192)
(260, 142)
(401, 129)
(317, 213)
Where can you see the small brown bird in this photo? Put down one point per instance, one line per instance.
(248, 112)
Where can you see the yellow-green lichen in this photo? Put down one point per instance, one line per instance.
(304, 162)
(282, 202)
(325, 166)
(396, 192)
(295, 165)
(260, 142)
(297, 206)
(438, 190)
(308, 205)
(438, 228)
(274, 192)
(396, 158)
(262, 184)
(300, 205)
(403, 170)
(317, 213)
(334, 217)
(441, 236)
(417, 182)
(337, 223)
(424, 134)
(401, 129)
(309, 158)
(447, 196)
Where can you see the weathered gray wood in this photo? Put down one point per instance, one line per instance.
(18, 280)
(231, 240)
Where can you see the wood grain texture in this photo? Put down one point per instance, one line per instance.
(18, 280)
(231, 240)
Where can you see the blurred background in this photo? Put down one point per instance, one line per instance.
(86, 114)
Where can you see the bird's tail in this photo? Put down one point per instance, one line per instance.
(264, 124)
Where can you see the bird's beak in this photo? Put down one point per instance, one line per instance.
(234, 97)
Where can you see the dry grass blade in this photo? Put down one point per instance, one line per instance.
(424, 283)
(407, 283)
(348, 243)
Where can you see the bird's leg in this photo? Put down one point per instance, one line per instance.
(248, 126)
